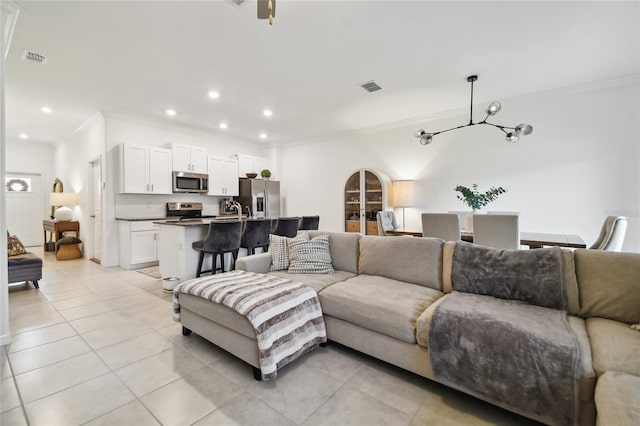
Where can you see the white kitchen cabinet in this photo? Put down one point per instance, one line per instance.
(223, 176)
(145, 169)
(189, 158)
(138, 246)
(250, 164)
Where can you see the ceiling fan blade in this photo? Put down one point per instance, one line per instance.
(263, 9)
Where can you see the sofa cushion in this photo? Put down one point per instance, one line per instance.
(532, 276)
(609, 284)
(380, 304)
(412, 260)
(614, 345)
(618, 399)
(316, 281)
(344, 249)
(310, 257)
(279, 247)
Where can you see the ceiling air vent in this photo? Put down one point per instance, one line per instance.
(371, 86)
(34, 57)
(238, 2)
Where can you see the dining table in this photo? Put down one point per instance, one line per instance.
(531, 239)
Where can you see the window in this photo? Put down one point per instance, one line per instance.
(16, 184)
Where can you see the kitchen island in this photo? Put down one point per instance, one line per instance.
(177, 257)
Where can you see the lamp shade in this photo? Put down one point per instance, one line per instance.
(64, 199)
(403, 193)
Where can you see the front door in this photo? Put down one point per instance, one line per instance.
(25, 207)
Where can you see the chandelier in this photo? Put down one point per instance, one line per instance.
(512, 133)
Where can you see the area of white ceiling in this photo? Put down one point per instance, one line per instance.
(137, 59)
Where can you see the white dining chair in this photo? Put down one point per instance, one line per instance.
(612, 234)
(441, 225)
(501, 231)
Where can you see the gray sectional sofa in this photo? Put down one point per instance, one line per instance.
(544, 333)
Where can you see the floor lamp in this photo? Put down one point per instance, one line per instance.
(403, 195)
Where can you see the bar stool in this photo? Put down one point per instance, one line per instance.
(223, 237)
(310, 223)
(287, 226)
(256, 234)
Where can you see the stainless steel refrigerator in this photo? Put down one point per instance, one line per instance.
(261, 196)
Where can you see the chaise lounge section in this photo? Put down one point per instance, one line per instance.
(424, 305)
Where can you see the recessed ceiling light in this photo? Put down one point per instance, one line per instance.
(170, 112)
(214, 95)
(263, 135)
(223, 125)
(46, 110)
(23, 136)
(267, 113)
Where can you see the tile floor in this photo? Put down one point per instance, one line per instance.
(97, 346)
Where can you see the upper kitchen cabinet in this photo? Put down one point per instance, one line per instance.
(189, 158)
(223, 176)
(145, 169)
(250, 164)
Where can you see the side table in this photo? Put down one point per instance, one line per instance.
(57, 228)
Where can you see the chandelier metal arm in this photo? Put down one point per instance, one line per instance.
(521, 129)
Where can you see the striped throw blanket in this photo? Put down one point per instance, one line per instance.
(285, 315)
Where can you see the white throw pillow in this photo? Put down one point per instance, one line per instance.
(310, 257)
(279, 250)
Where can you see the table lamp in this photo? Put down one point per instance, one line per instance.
(62, 200)
(403, 195)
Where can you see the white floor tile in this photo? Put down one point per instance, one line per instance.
(80, 403)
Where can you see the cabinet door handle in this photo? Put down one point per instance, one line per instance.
(151, 187)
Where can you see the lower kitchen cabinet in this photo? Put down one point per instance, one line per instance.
(138, 243)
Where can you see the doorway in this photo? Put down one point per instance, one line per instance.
(25, 207)
(95, 217)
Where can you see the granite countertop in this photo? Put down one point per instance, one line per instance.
(135, 219)
(196, 221)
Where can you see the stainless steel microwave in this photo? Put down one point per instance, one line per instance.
(190, 182)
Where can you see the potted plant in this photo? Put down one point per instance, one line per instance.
(266, 174)
(476, 200)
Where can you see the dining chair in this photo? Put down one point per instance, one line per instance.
(287, 226)
(612, 234)
(223, 237)
(386, 222)
(309, 223)
(503, 212)
(501, 231)
(441, 225)
(256, 235)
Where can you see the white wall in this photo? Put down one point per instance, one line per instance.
(72, 159)
(23, 156)
(579, 165)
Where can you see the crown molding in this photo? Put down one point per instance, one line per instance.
(627, 80)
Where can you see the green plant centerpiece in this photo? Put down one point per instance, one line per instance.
(265, 173)
(475, 199)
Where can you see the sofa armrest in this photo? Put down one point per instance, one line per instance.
(259, 263)
(424, 321)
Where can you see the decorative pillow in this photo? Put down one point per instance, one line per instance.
(310, 257)
(14, 246)
(279, 250)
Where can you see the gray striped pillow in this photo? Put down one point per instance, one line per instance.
(310, 257)
(279, 250)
